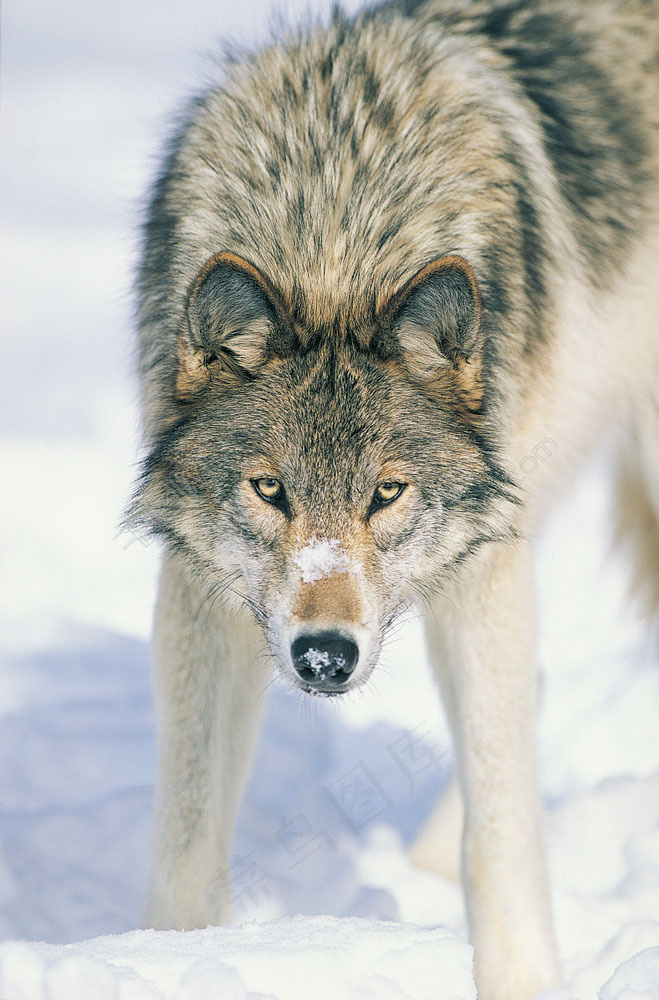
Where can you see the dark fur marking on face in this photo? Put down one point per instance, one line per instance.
(478, 496)
(396, 540)
(477, 543)
(249, 534)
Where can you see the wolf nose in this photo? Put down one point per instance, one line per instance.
(324, 661)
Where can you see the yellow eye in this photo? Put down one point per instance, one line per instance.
(386, 493)
(268, 489)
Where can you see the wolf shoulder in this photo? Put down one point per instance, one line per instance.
(590, 74)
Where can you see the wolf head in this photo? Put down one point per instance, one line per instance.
(326, 478)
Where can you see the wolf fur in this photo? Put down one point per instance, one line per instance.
(402, 249)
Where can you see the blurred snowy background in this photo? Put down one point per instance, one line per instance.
(87, 92)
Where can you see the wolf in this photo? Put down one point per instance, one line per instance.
(384, 259)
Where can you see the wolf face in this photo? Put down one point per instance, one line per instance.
(326, 481)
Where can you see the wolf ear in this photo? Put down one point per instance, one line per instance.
(435, 323)
(235, 322)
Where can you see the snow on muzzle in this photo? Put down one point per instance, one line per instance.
(330, 635)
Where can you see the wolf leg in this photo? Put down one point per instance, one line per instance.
(437, 848)
(209, 683)
(637, 503)
(482, 647)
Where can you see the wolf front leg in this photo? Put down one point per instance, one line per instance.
(209, 683)
(481, 642)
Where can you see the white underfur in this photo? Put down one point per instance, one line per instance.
(602, 370)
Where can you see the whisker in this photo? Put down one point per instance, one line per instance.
(215, 590)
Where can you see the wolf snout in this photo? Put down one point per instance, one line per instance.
(324, 661)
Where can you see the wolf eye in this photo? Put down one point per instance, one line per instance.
(269, 490)
(386, 493)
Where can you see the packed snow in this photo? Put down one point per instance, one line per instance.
(327, 902)
(294, 957)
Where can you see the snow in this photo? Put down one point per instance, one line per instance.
(353, 958)
(322, 557)
(635, 979)
(318, 659)
(325, 891)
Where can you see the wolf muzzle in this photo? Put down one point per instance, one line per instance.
(324, 661)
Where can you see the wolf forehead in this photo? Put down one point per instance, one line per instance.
(331, 414)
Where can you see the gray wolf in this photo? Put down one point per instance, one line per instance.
(384, 259)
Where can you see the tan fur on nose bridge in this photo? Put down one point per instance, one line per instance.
(333, 600)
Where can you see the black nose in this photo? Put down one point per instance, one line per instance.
(324, 661)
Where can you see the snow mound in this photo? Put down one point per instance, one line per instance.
(292, 958)
(636, 979)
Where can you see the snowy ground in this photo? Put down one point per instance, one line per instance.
(337, 792)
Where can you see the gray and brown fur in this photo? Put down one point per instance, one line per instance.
(410, 244)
